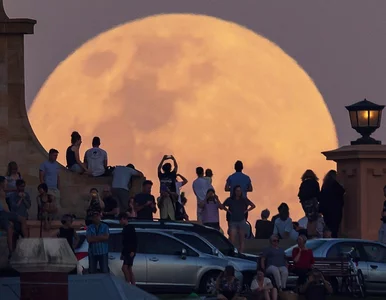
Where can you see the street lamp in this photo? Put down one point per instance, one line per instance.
(365, 118)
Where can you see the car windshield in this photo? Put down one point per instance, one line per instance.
(310, 244)
(219, 241)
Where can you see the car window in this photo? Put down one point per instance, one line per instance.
(195, 242)
(310, 244)
(115, 242)
(219, 241)
(154, 243)
(375, 252)
(341, 248)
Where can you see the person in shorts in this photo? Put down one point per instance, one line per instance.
(129, 247)
(237, 206)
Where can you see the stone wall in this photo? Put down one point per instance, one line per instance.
(17, 139)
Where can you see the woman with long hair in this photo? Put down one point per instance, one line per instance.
(74, 163)
(237, 206)
(46, 206)
(12, 176)
(309, 191)
(331, 202)
(228, 287)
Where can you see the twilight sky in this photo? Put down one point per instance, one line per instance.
(340, 44)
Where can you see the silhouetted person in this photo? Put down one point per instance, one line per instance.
(168, 176)
(95, 158)
(331, 201)
(309, 191)
(264, 227)
(238, 179)
(72, 154)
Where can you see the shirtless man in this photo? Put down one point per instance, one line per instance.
(6, 217)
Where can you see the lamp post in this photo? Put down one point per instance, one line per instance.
(365, 118)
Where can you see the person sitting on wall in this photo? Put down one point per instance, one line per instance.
(95, 158)
(264, 227)
(72, 155)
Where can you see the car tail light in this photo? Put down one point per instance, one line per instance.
(81, 255)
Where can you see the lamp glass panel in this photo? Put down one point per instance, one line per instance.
(374, 118)
(363, 118)
(353, 119)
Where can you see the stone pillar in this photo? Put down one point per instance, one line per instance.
(12, 104)
(362, 171)
(43, 265)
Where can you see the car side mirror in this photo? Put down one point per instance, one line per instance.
(183, 253)
(216, 252)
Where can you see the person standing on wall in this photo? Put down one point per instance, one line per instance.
(240, 179)
(200, 188)
(166, 175)
(129, 247)
(49, 174)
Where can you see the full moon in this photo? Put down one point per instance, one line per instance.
(208, 91)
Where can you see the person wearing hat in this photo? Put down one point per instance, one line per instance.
(166, 203)
(303, 260)
(97, 236)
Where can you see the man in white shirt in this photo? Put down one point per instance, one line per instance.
(120, 185)
(95, 158)
(179, 185)
(200, 188)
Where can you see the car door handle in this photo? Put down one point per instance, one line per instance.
(153, 259)
(111, 257)
(374, 267)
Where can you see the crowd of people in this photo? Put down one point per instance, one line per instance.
(322, 206)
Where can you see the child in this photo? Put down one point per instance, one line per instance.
(67, 232)
(382, 230)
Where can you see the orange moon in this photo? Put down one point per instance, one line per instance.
(208, 91)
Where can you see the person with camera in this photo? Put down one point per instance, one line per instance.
(211, 206)
(316, 287)
(168, 176)
(94, 204)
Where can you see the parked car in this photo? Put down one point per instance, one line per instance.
(246, 267)
(215, 237)
(371, 258)
(162, 263)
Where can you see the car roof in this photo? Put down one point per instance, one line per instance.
(162, 232)
(159, 223)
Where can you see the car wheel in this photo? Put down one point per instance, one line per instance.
(208, 283)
